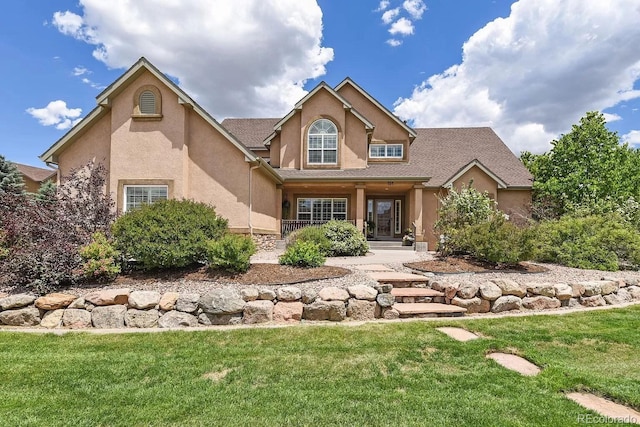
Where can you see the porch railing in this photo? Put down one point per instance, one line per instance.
(290, 225)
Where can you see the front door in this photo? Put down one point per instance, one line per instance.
(384, 219)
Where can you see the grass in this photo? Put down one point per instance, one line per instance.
(377, 374)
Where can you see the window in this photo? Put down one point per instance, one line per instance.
(385, 151)
(322, 209)
(397, 217)
(322, 143)
(147, 102)
(138, 195)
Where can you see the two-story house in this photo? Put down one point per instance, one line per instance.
(338, 154)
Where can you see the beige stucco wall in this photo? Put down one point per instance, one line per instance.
(515, 203)
(481, 182)
(290, 141)
(430, 206)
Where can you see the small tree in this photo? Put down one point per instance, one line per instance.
(47, 192)
(10, 178)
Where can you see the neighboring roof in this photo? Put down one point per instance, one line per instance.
(375, 102)
(251, 132)
(35, 173)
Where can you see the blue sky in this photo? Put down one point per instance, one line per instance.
(527, 68)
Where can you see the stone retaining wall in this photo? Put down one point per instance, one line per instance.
(122, 308)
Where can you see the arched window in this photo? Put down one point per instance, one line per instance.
(322, 143)
(147, 102)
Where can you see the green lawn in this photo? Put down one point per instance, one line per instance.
(378, 374)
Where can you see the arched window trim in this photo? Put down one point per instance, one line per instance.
(322, 143)
(139, 110)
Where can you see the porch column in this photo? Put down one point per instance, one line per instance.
(417, 211)
(360, 206)
(279, 211)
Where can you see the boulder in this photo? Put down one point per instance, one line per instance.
(592, 288)
(613, 299)
(168, 301)
(634, 292)
(187, 302)
(220, 319)
(55, 301)
(632, 281)
(593, 301)
(108, 316)
(390, 313)
(266, 294)
(222, 301)
(76, 318)
(21, 317)
(288, 293)
(288, 311)
(143, 300)
(563, 291)
(450, 290)
(16, 301)
(250, 294)
(383, 288)
(609, 286)
(325, 310)
(177, 319)
(385, 300)
(510, 287)
(260, 311)
(624, 295)
(141, 318)
(333, 293)
(490, 291)
(52, 319)
(78, 303)
(361, 309)
(109, 297)
(577, 290)
(473, 305)
(363, 292)
(309, 296)
(468, 290)
(506, 303)
(540, 302)
(544, 289)
(573, 303)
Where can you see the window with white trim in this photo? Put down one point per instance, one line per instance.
(397, 217)
(322, 209)
(322, 143)
(386, 151)
(138, 195)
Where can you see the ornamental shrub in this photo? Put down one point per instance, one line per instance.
(168, 233)
(302, 254)
(231, 253)
(101, 259)
(312, 233)
(345, 239)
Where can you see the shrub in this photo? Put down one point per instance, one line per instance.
(315, 234)
(168, 233)
(345, 239)
(101, 259)
(231, 252)
(302, 254)
(601, 242)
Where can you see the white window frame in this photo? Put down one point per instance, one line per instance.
(387, 151)
(397, 216)
(323, 144)
(126, 188)
(322, 199)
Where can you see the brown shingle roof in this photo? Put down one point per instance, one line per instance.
(251, 132)
(36, 174)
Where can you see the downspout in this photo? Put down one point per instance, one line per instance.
(251, 195)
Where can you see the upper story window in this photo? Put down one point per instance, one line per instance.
(386, 151)
(147, 103)
(322, 143)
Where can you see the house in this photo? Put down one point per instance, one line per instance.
(34, 177)
(338, 154)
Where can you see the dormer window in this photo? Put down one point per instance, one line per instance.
(322, 143)
(147, 103)
(386, 151)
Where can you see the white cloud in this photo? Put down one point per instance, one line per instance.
(533, 74)
(390, 15)
(632, 138)
(402, 26)
(80, 70)
(237, 59)
(382, 5)
(611, 117)
(415, 8)
(394, 42)
(56, 113)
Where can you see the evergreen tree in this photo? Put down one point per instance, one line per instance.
(10, 178)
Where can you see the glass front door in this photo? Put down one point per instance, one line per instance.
(384, 218)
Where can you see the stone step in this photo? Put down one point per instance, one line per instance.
(415, 292)
(399, 280)
(428, 310)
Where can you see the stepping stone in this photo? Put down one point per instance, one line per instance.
(373, 267)
(515, 363)
(459, 334)
(605, 407)
(396, 277)
(428, 309)
(415, 292)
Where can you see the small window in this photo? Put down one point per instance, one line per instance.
(147, 102)
(397, 217)
(138, 195)
(386, 151)
(322, 143)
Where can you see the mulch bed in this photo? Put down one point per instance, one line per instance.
(462, 264)
(258, 274)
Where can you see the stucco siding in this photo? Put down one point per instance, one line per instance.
(515, 203)
(354, 153)
(481, 182)
(264, 199)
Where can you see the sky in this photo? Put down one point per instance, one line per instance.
(529, 68)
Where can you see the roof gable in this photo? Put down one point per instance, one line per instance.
(35, 173)
(479, 165)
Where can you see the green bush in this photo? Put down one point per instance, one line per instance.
(100, 259)
(345, 239)
(302, 254)
(314, 234)
(600, 242)
(231, 253)
(168, 233)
